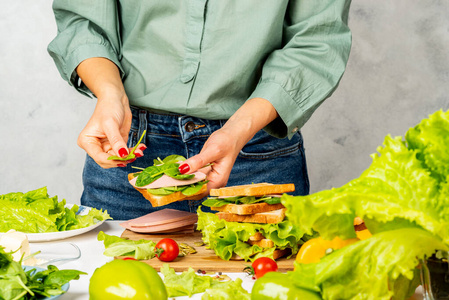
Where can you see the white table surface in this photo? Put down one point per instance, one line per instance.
(92, 257)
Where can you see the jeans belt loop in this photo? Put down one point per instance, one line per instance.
(143, 124)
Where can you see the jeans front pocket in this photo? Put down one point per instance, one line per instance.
(265, 146)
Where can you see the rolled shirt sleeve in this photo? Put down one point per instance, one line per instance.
(299, 77)
(85, 29)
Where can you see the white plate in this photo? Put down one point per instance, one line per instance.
(65, 287)
(59, 235)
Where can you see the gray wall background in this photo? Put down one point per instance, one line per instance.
(397, 74)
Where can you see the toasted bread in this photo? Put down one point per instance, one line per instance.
(271, 217)
(256, 189)
(264, 243)
(256, 237)
(248, 209)
(167, 199)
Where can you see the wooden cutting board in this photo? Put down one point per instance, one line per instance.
(204, 259)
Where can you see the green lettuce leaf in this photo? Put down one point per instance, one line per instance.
(376, 268)
(231, 290)
(395, 191)
(117, 246)
(228, 238)
(189, 283)
(431, 138)
(36, 212)
(403, 197)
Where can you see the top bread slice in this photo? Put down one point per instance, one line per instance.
(255, 189)
(156, 200)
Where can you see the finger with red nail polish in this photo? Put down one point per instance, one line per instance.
(122, 152)
(184, 168)
(121, 165)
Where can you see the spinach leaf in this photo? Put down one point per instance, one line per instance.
(273, 200)
(215, 202)
(131, 154)
(173, 172)
(15, 283)
(164, 191)
(249, 200)
(173, 159)
(193, 188)
(148, 175)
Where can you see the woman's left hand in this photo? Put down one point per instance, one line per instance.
(222, 147)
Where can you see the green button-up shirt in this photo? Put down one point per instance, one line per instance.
(205, 58)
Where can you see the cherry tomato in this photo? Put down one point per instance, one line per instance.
(264, 265)
(167, 249)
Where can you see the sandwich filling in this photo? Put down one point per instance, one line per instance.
(164, 178)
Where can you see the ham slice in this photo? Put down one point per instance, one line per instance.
(166, 181)
(163, 228)
(162, 221)
(162, 216)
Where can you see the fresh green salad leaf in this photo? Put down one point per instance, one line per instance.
(131, 154)
(36, 212)
(431, 138)
(403, 197)
(189, 283)
(168, 166)
(231, 290)
(227, 238)
(15, 283)
(370, 268)
(149, 175)
(117, 246)
(186, 190)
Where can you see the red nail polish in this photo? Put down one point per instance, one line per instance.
(143, 147)
(121, 165)
(138, 154)
(184, 168)
(123, 152)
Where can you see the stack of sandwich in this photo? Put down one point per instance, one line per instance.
(250, 222)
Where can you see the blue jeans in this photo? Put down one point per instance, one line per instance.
(263, 159)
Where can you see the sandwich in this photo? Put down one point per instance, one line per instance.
(250, 222)
(162, 183)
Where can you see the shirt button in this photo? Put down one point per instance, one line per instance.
(190, 126)
(294, 129)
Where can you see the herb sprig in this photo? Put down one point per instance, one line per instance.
(131, 154)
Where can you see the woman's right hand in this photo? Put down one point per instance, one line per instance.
(106, 133)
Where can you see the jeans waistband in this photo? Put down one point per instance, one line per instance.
(175, 125)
